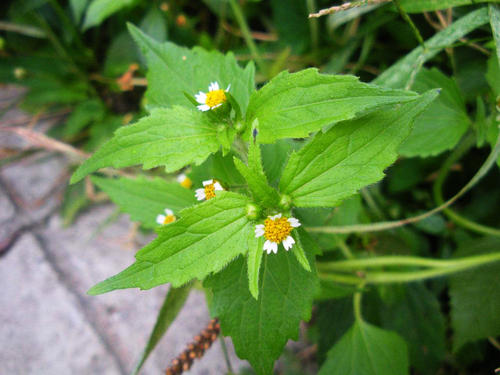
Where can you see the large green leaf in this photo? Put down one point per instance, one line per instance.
(204, 240)
(443, 123)
(174, 70)
(353, 154)
(475, 296)
(294, 105)
(144, 199)
(99, 10)
(418, 6)
(367, 350)
(172, 137)
(399, 74)
(172, 305)
(261, 328)
(416, 316)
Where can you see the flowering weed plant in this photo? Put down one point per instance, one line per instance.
(252, 176)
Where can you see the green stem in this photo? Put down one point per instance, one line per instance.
(357, 302)
(226, 355)
(490, 162)
(313, 24)
(397, 260)
(438, 189)
(367, 196)
(387, 277)
(408, 20)
(344, 248)
(240, 18)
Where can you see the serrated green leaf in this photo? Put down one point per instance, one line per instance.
(475, 296)
(416, 316)
(399, 74)
(368, 350)
(443, 123)
(297, 104)
(172, 305)
(99, 10)
(170, 137)
(204, 240)
(143, 199)
(254, 259)
(261, 328)
(351, 155)
(255, 177)
(173, 70)
(419, 6)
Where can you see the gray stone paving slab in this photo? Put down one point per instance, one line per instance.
(30, 190)
(125, 317)
(41, 329)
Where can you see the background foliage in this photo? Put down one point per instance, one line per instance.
(352, 159)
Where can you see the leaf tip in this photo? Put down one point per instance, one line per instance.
(99, 288)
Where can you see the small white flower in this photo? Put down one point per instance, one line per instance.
(166, 219)
(214, 98)
(276, 229)
(208, 190)
(184, 181)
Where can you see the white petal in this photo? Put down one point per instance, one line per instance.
(288, 243)
(218, 186)
(160, 219)
(259, 232)
(260, 226)
(208, 182)
(213, 86)
(169, 212)
(271, 247)
(216, 106)
(203, 107)
(268, 246)
(228, 87)
(275, 217)
(274, 247)
(294, 222)
(200, 194)
(181, 177)
(201, 97)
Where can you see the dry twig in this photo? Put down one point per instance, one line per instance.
(345, 6)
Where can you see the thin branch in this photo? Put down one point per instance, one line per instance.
(345, 6)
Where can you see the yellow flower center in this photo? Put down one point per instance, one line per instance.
(210, 191)
(277, 230)
(186, 183)
(169, 219)
(215, 98)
